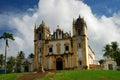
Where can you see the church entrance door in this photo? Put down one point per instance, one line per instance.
(59, 64)
(26, 68)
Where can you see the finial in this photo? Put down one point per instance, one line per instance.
(58, 26)
(43, 24)
(35, 26)
(79, 16)
(73, 21)
(69, 33)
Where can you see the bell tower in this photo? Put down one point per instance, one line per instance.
(35, 50)
(74, 28)
(43, 31)
(41, 34)
(80, 42)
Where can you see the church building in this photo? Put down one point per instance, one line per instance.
(60, 51)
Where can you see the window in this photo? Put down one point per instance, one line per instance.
(40, 36)
(79, 45)
(67, 48)
(80, 62)
(50, 49)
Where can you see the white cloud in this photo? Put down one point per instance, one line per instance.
(101, 30)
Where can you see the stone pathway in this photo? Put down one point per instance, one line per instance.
(32, 76)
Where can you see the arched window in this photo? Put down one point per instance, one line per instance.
(66, 46)
(79, 45)
(50, 49)
(40, 36)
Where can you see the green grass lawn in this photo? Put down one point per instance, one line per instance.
(71, 75)
(11, 76)
(83, 75)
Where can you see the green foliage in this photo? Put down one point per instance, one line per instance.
(101, 61)
(10, 64)
(19, 58)
(83, 75)
(112, 51)
(31, 55)
(21, 55)
(7, 35)
(1, 60)
(107, 50)
(114, 46)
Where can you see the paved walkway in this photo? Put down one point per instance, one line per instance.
(32, 76)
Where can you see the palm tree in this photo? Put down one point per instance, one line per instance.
(114, 46)
(31, 55)
(116, 52)
(107, 51)
(6, 36)
(112, 51)
(20, 56)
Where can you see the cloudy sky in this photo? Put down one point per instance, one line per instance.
(18, 17)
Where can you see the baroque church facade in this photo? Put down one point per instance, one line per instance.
(60, 50)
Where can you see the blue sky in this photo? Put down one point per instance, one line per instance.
(104, 7)
(16, 6)
(99, 7)
(19, 16)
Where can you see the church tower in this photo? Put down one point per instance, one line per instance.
(41, 34)
(43, 31)
(35, 50)
(80, 42)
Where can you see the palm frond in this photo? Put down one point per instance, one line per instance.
(8, 35)
(1, 37)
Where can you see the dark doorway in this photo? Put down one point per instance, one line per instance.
(26, 69)
(59, 64)
(110, 66)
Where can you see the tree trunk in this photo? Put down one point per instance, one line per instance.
(5, 57)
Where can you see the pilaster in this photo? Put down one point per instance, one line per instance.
(85, 48)
(35, 51)
(75, 52)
